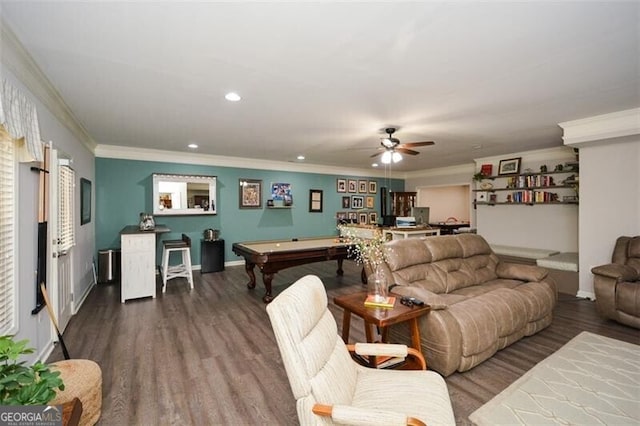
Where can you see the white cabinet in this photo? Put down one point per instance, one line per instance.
(138, 264)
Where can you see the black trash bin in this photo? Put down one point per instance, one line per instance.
(108, 266)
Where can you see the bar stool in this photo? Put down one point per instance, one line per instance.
(183, 269)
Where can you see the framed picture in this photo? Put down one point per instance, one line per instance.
(352, 217)
(362, 186)
(370, 202)
(341, 217)
(346, 202)
(482, 196)
(341, 185)
(362, 218)
(373, 218)
(315, 200)
(85, 201)
(373, 187)
(250, 194)
(281, 194)
(510, 166)
(357, 202)
(353, 186)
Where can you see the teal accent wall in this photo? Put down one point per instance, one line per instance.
(124, 188)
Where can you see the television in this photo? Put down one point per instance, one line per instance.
(421, 214)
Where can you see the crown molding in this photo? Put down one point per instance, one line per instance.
(538, 155)
(617, 126)
(16, 58)
(142, 154)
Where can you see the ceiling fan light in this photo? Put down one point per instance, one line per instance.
(386, 157)
(396, 157)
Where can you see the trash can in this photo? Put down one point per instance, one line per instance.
(108, 265)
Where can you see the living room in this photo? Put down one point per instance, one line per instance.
(607, 138)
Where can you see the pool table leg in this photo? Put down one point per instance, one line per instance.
(340, 271)
(252, 277)
(267, 278)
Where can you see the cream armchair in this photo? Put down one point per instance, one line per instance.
(329, 386)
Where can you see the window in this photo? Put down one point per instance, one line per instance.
(66, 208)
(7, 234)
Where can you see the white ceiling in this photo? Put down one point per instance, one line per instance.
(322, 79)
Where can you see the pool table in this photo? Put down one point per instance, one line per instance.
(274, 256)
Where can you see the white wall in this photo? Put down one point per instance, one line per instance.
(445, 202)
(37, 328)
(553, 227)
(609, 203)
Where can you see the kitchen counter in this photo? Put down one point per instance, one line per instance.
(135, 229)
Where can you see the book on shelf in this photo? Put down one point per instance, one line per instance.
(374, 301)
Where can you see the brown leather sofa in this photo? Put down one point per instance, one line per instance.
(479, 303)
(617, 284)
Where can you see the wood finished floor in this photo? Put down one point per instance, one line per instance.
(208, 356)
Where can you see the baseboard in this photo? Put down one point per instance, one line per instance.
(78, 303)
(586, 295)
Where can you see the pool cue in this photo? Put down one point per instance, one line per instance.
(54, 321)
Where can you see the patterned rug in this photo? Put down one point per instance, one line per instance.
(592, 380)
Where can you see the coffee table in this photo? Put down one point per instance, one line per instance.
(380, 317)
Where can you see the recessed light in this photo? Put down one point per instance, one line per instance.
(193, 145)
(232, 96)
(374, 165)
(300, 157)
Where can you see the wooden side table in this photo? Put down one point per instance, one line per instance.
(380, 317)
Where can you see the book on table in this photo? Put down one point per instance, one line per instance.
(374, 301)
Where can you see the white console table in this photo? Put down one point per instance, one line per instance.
(138, 251)
(400, 233)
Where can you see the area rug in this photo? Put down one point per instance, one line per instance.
(592, 380)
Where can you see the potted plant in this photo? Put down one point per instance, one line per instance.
(479, 176)
(21, 384)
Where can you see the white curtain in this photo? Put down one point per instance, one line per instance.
(20, 118)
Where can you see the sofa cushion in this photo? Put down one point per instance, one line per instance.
(444, 247)
(634, 254)
(404, 253)
(455, 273)
(473, 244)
(486, 287)
(425, 276)
(482, 267)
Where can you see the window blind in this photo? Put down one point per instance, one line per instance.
(66, 207)
(7, 234)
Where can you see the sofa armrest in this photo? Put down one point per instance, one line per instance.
(517, 271)
(430, 298)
(616, 271)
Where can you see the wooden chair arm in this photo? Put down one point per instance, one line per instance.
(418, 358)
(327, 411)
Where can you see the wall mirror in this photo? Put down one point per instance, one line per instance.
(184, 194)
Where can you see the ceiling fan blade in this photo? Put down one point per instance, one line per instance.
(415, 144)
(407, 151)
(377, 154)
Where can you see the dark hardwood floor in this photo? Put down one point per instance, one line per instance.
(208, 356)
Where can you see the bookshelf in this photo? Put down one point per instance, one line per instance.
(540, 188)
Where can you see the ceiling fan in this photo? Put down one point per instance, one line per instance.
(392, 148)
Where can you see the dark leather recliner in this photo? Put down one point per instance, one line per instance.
(617, 285)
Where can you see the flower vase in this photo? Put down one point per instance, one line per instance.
(377, 285)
